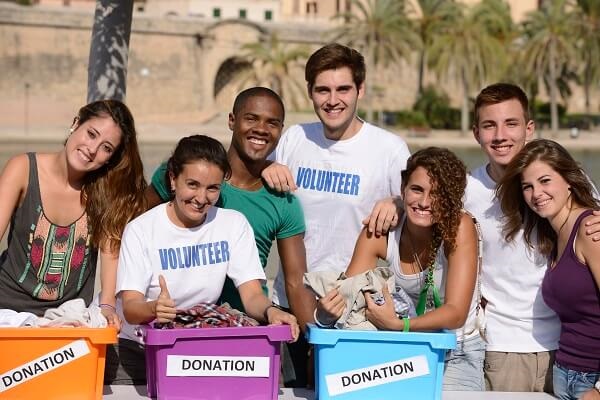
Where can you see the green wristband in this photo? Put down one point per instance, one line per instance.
(406, 321)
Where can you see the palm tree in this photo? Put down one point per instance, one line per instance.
(429, 24)
(549, 46)
(107, 66)
(383, 33)
(273, 64)
(469, 48)
(589, 33)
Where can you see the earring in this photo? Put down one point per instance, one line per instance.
(71, 130)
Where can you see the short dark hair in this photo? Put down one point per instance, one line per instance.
(498, 93)
(257, 91)
(334, 56)
(196, 148)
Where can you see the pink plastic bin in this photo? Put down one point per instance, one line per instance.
(215, 363)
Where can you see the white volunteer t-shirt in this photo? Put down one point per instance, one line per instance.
(518, 320)
(194, 261)
(338, 182)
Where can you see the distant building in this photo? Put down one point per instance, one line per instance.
(302, 11)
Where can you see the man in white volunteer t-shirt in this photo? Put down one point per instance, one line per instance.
(522, 332)
(341, 167)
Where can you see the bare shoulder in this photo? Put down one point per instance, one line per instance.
(15, 168)
(466, 225)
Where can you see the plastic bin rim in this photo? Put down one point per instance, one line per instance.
(95, 335)
(438, 340)
(170, 336)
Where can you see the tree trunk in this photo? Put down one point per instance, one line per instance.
(369, 81)
(421, 72)
(107, 66)
(553, 89)
(464, 112)
(587, 83)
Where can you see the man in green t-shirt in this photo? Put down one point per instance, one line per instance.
(256, 123)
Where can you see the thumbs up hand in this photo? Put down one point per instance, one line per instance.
(164, 310)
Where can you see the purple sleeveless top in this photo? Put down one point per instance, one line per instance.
(570, 290)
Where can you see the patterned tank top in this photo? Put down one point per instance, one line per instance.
(45, 264)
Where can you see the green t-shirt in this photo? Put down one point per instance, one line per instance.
(272, 215)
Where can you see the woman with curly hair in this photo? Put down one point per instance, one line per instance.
(64, 207)
(545, 192)
(434, 255)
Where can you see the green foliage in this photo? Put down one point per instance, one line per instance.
(410, 119)
(272, 64)
(383, 33)
(467, 51)
(436, 109)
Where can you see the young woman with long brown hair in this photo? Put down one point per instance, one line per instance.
(65, 206)
(545, 193)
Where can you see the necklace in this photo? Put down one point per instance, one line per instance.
(427, 301)
(250, 186)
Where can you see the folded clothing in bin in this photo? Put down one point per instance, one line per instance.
(352, 289)
(208, 315)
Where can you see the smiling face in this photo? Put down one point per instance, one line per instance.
(92, 144)
(256, 127)
(417, 198)
(197, 188)
(335, 97)
(502, 131)
(545, 191)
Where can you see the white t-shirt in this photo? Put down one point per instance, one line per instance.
(413, 283)
(518, 320)
(338, 182)
(194, 261)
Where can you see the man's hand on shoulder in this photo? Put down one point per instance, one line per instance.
(385, 216)
(279, 178)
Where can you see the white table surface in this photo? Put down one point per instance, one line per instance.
(139, 392)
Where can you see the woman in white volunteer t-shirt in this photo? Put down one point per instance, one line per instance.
(178, 254)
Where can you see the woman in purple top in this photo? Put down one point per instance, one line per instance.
(545, 193)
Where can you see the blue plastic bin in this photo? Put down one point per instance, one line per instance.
(379, 365)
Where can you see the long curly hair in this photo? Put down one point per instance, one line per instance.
(113, 194)
(448, 176)
(509, 191)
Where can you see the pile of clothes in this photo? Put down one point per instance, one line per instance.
(208, 315)
(72, 313)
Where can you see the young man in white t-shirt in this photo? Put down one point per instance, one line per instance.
(522, 332)
(341, 166)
